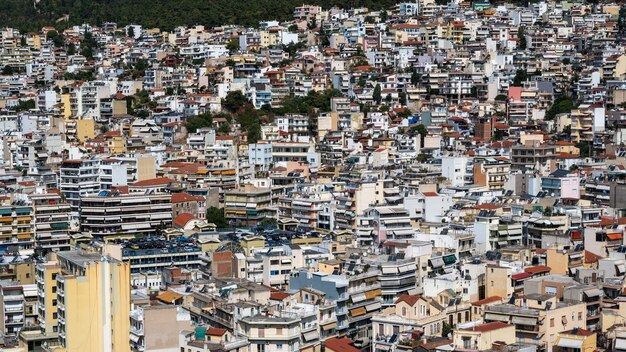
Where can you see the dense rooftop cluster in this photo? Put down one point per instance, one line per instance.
(427, 177)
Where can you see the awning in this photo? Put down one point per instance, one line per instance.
(620, 268)
(373, 293)
(329, 326)
(357, 311)
(372, 307)
(497, 317)
(575, 256)
(359, 297)
(594, 292)
(524, 321)
(408, 267)
(389, 270)
(570, 343)
(311, 335)
(436, 262)
(620, 344)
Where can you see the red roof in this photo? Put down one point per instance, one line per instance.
(520, 276)
(342, 344)
(487, 207)
(278, 296)
(614, 236)
(488, 327)
(182, 219)
(184, 198)
(537, 269)
(408, 299)
(578, 332)
(487, 300)
(153, 182)
(591, 257)
(220, 256)
(430, 194)
(215, 332)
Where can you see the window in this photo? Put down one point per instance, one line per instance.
(491, 283)
(404, 311)
(396, 329)
(580, 315)
(279, 346)
(279, 331)
(54, 315)
(261, 332)
(551, 322)
(274, 272)
(54, 302)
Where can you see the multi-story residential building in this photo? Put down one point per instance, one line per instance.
(17, 225)
(78, 178)
(152, 254)
(13, 306)
(46, 279)
(155, 328)
(110, 214)
(541, 318)
(51, 223)
(249, 205)
(102, 283)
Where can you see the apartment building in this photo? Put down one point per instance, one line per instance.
(152, 254)
(51, 222)
(157, 328)
(46, 280)
(249, 205)
(540, 318)
(103, 284)
(17, 225)
(78, 178)
(13, 307)
(110, 214)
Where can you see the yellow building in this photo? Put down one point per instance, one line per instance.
(250, 242)
(575, 340)
(498, 281)
(484, 336)
(66, 105)
(16, 225)
(93, 295)
(46, 295)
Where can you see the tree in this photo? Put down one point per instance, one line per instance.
(254, 133)
(24, 105)
(56, 38)
(131, 31)
(233, 45)
(520, 76)
(415, 78)
(216, 216)
(377, 95)
(388, 98)
(521, 35)
(234, 101)
(71, 49)
(562, 105)
(224, 129)
(446, 329)
(194, 123)
(402, 98)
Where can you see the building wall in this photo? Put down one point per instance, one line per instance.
(498, 282)
(162, 327)
(97, 308)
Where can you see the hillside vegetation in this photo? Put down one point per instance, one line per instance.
(164, 14)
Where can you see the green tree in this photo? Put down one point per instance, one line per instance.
(194, 123)
(521, 35)
(24, 105)
(377, 94)
(224, 129)
(233, 45)
(57, 39)
(562, 104)
(520, 77)
(71, 49)
(234, 101)
(402, 98)
(388, 98)
(254, 133)
(131, 31)
(216, 216)
(415, 78)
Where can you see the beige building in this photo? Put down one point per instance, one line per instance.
(93, 299)
(539, 318)
(482, 337)
(498, 281)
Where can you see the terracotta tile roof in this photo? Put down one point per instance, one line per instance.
(520, 276)
(278, 296)
(184, 198)
(487, 300)
(537, 269)
(215, 332)
(182, 219)
(496, 325)
(153, 182)
(342, 344)
(408, 299)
